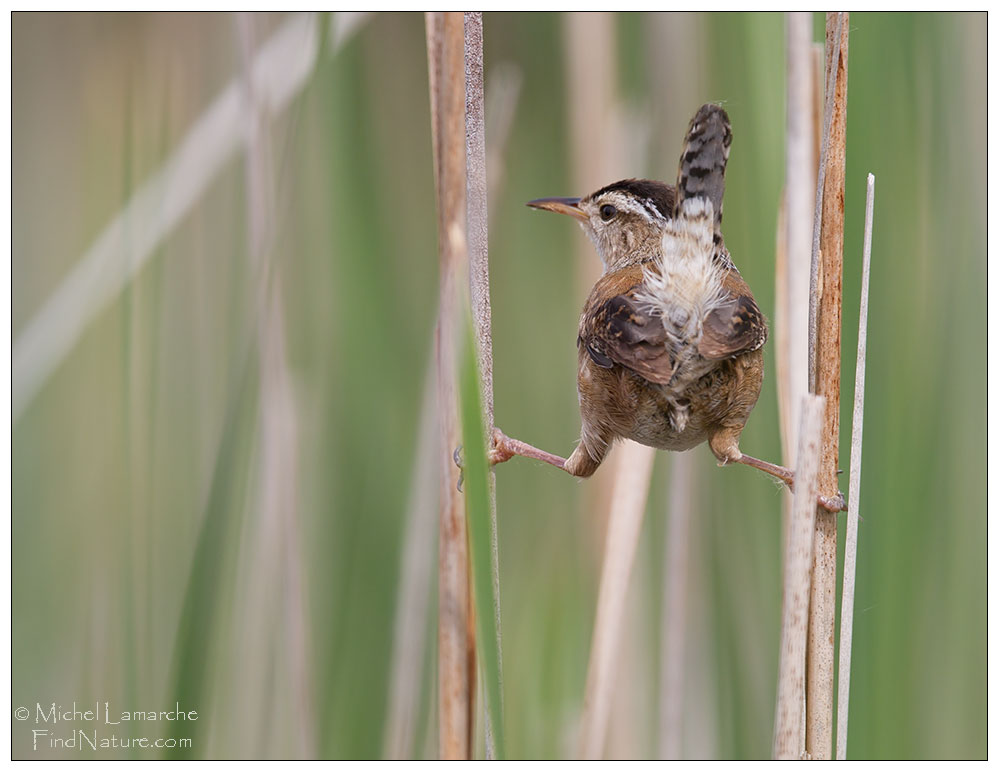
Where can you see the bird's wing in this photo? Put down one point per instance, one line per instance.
(614, 329)
(736, 326)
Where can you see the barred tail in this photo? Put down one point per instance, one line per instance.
(702, 164)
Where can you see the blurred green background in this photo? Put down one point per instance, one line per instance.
(212, 490)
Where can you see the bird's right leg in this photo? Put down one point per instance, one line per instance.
(579, 464)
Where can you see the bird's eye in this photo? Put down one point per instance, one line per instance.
(607, 212)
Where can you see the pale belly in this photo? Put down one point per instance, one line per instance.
(657, 427)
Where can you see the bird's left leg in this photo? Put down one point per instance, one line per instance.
(726, 450)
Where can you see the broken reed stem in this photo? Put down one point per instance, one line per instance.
(853, 507)
(797, 568)
(455, 639)
(793, 263)
(831, 74)
(631, 488)
(827, 285)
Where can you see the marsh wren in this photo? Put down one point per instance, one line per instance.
(670, 339)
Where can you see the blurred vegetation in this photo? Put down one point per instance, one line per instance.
(135, 472)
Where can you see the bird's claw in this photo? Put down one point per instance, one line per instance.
(834, 504)
(498, 449)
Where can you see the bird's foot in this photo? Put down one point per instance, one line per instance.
(831, 504)
(503, 448)
(500, 449)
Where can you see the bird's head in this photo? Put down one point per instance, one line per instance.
(624, 220)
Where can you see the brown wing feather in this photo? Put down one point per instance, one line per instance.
(615, 332)
(732, 329)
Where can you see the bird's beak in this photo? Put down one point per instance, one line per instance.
(569, 206)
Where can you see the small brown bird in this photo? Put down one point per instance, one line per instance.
(670, 338)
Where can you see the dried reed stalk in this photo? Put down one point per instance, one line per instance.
(674, 621)
(678, 39)
(595, 156)
(593, 107)
(793, 257)
(824, 356)
(413, 594)
(797, 567)
(794, 253)
(278, 72)
(412, 608)
(455, 638)
(853, 514)
(631, 488)
(276, 555)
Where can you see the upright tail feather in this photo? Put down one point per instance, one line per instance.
(702, 163)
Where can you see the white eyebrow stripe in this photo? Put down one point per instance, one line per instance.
(644, 207)
(651, 207)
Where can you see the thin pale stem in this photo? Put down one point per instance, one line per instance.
(592, 103)
(674, 618)
(789, 719)
(791, 322)
(631, 488)
(676, 88)
(478, 219)
(276, 556)
(856, 447)
(594, 109)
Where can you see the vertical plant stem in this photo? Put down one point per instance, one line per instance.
(799, 202)
(413, 596)
(595, 157)
(596, 152)
(828, 286)
(481, 545)
(853, 508)
(674, 41)
(478, 218)
(445, 48)
(275, 561)
(797, 567)
(793, 263)
(675, 614)
(631, 488)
